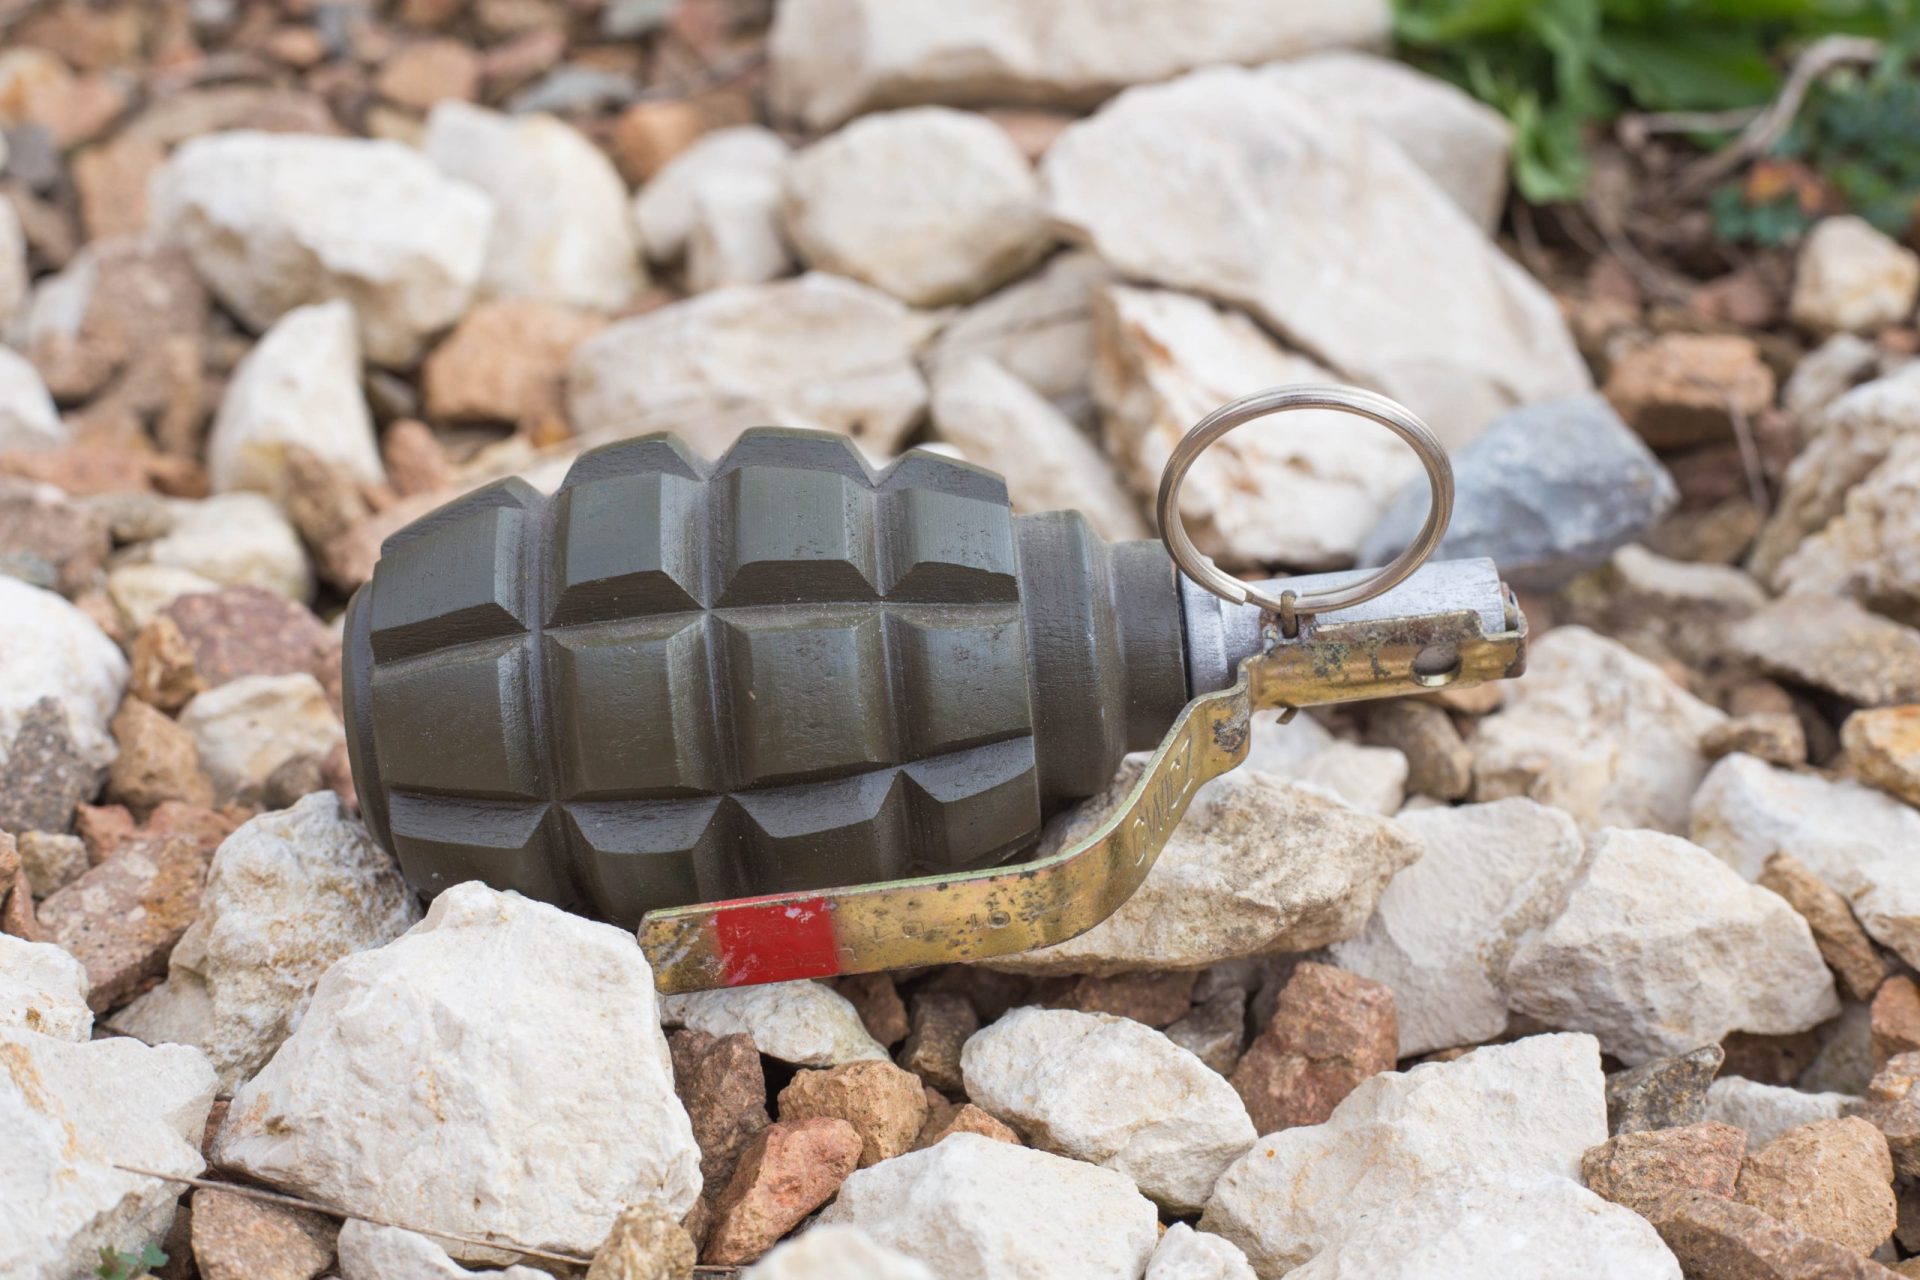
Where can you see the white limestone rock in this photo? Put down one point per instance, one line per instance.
(806, 1023)
(718, 205)
(1186, 1254)
(1371, 779)
(43, 989)
(1528, 1109)
(247, 728)
(1258, 865)
(1850, 277)
(1542, 1228)
(818, 352)
(1868, 551)
(499, 1068)
(1858, 839)
(971, 1206)
(50, 649)
(829, 1252)
(961, 213)
(1849, 439)
(830, 59)
(140, 591)
(1458, 142)
(1444, 932)
(1597, 730)
(561, 231)
(288, 894)
(278, 221)
(1303, 490)
(1324, 230)
(368, 1252)
(69, 1113)
(1039, 329)
(1663, 948)
(28, 419)
(1766, 1111)
(236, 540)
(15, 284)
(298, 387)
(664, 212)
(1001, 423)
(1113, 1092)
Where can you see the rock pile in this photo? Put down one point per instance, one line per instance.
(1610, 970)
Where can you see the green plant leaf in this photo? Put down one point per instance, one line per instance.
(1450, 21)
(1691, 70)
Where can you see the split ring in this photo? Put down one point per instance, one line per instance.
(1366, 404)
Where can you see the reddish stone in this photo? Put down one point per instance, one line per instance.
(157, 761)
(506, 361)
(48, 539)
(885, 1105)
(1330, 1031)
(248, 631)
(791, 1169)
(429, 71)
(1895, 1017)
(416, 461)
(1715, 1238)
(17, 917)
(122, 918)
(1830, 1178)
(722, 1086)
(1641, 1168)
(1776, 1060)
(237, 1237)
(163, 673)
(1157, 999)
(877, 1001)
(1683, 388)
(966, 1118)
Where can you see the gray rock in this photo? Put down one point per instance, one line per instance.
(44, 775)
(1547, 490)
(1857, 654)
(1664, 1093)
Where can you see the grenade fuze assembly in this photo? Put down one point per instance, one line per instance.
(794, 717)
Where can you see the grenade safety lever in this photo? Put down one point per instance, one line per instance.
(794, 716)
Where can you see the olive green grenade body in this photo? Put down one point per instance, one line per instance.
(679, 681)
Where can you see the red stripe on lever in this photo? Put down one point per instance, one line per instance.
(775, 941)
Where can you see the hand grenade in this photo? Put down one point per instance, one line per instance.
(769, 695)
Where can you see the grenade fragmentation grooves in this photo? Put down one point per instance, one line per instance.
(677, 681)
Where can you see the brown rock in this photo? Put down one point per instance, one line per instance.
(43, 775)
(348, 560)
(792, 1168)
(1843, 944)
(648, 134)
(645, 1244)
(506, 361)
(1883, 748)
(1033, 131)
(1775, 1060)
(1774, 736)
(1685, 388)
(877, 1001)
(103, 828)
(885, 1105)
(248, 631)
(324, 499)
(1896, 1018)
(172, 118)
(1892, 1107)
(1439, 762)
(1330, 1030)
(1831, 1178)
(1663, 1094)
(17, 918)
(416, 462)
(111, 180)
(965, 1118)
(122, 918)
(427, 71)
(48, 539)
(1715, 1238)
(990, 992)
(1641, 1168)
(162, 670)
(721, 1084)
(942, 1021)
(239, 1238)
(1157, 999)
(157, 762)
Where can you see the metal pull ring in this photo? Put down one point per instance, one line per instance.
(1377, 408)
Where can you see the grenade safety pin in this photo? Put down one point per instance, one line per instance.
(792, 717)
